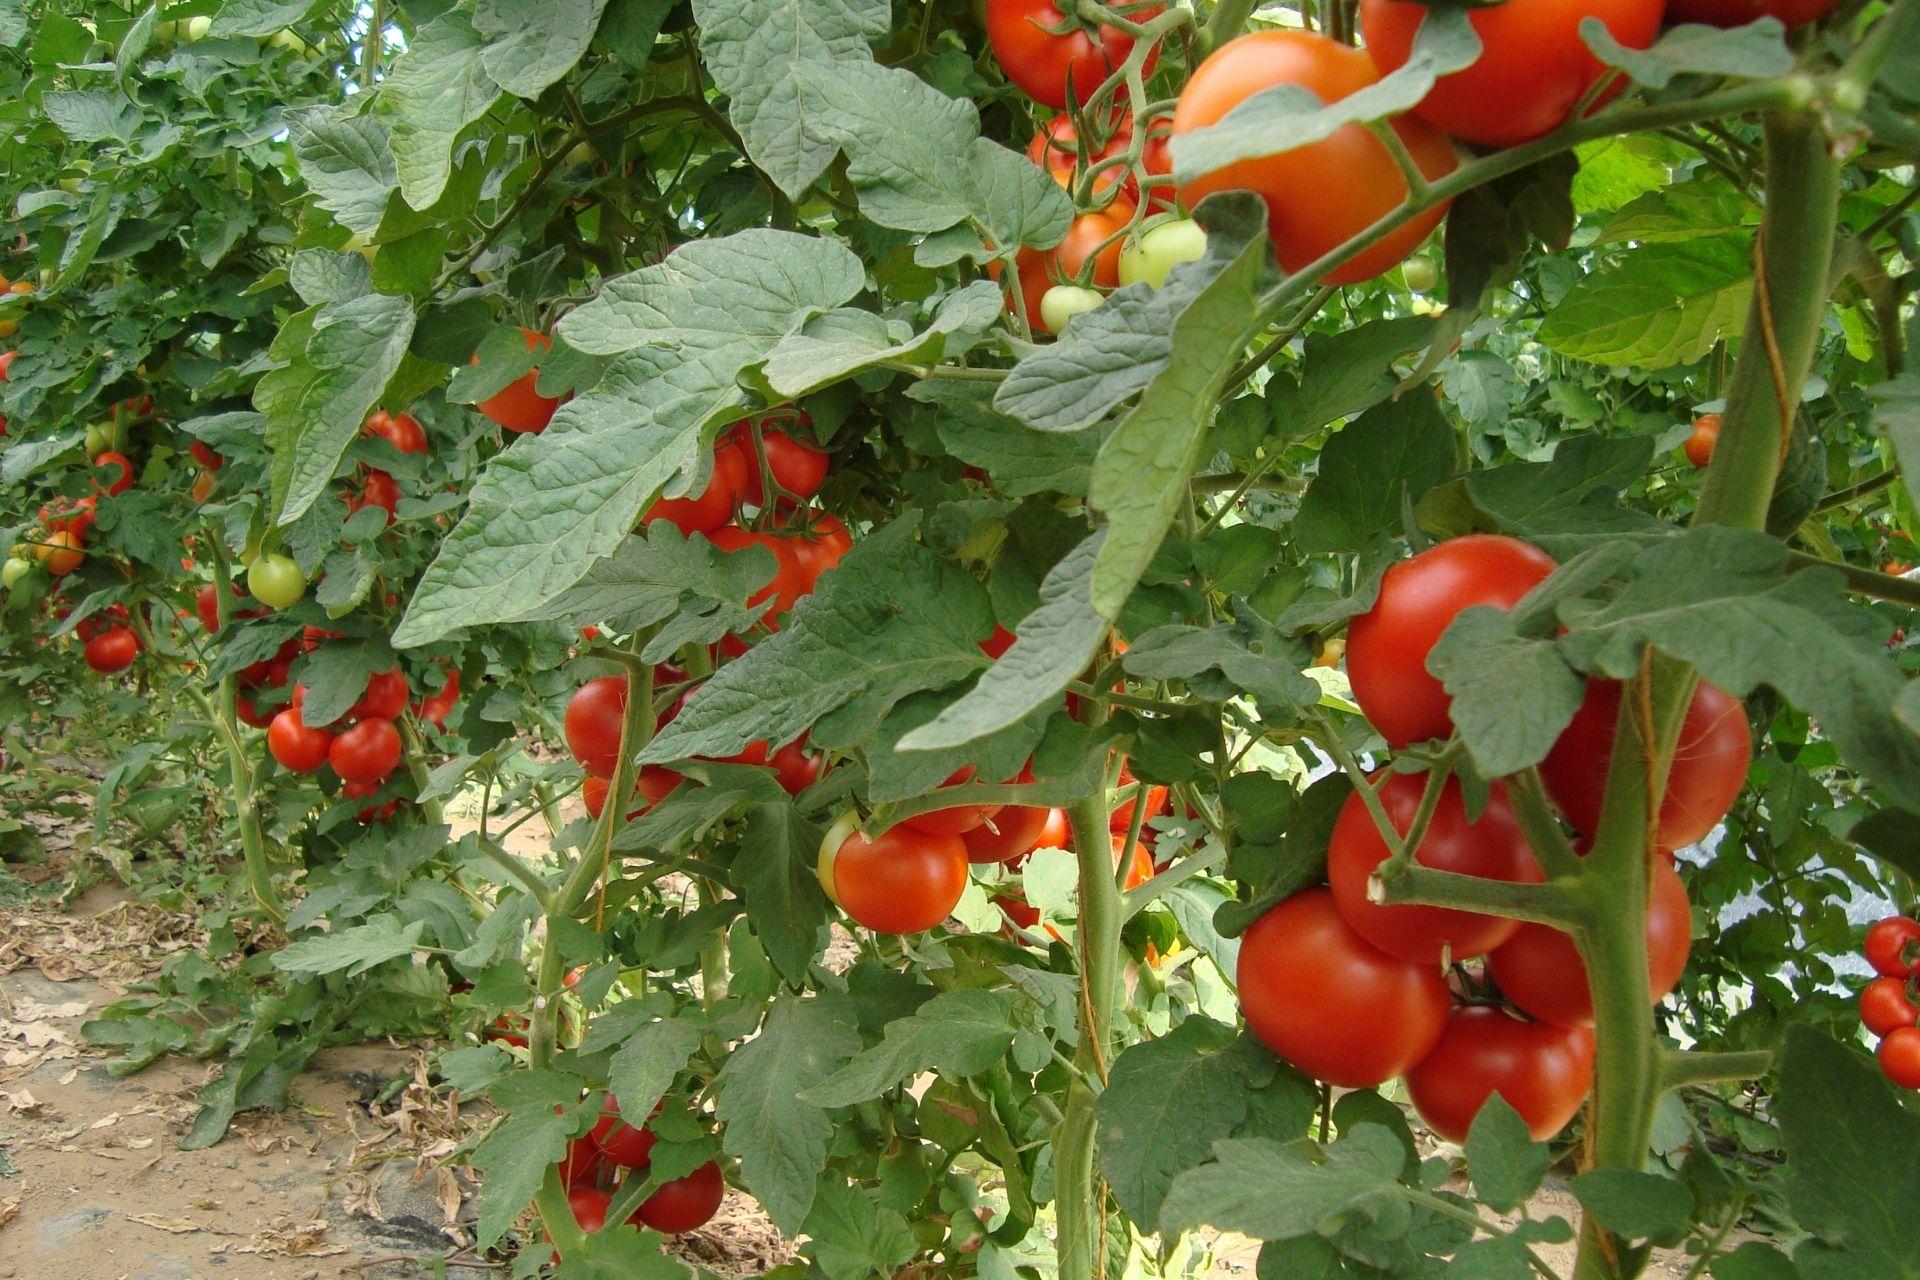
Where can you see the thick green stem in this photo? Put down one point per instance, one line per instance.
(226, 723)
(1102, 912)
(1678, 1070)
(1228, 19)
(1795, 252)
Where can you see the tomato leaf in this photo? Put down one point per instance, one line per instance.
(1270, 1191)
(259, 17)
(644, 1067)
(515, 1158)
(532, 43)
(1400, 448)
(777, 880)
(1507, 1164)
(1749, 53)
(1019, 460)
(1223, 662)
(1634, 1204)
(356, 949)
(852, 1238)
(438, 87)
(1655, 306)
(778, 1136)
(958, 1032)
(346, 163)
(839, 344)
(661, 577)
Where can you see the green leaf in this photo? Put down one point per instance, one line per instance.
(134, 44)
(644, 1067)
(780, 1138)
(316, 405)
(1490, 227)
(1526, 497)
(1247, 656)
(1274, 1192)
(1112, 353)
(890, 620)
(1019, 460)
(852, 1238)
(92, 115)
(1853, 1156)
(681, 332)
(1389, 456)
(777, 880)
(959, 1033)
(1289, 116)
(832, 347)
(1141, 477)
(1344, 372)
(1707, 207)
(1636, 1205)
(1896, 415)
(1893, 836)
(1507, 1164)
(1725, 601)
(345, 163)
(1166, 1103)
(756, 51)
(259, 17)
(1751, 52)
(1053, 645)
(1513, 694)
(436, 89)
(1656, 306)
(514, 1159)
(356, 949)
(1754, 1260)
(693, 590)
(532, 43)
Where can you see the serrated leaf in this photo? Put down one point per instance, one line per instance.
(756, 51)
(1391, 455)
(1345, 372)
(1224, 661)
(1019, 460)
(436, 89)
(1751, 52)
(532, 43)
(681, 332)
(662, 576)
(832, 347)
(346, 165)
(1706, 207)
(1656, 306)
(852, 1238)
(355, 949)
(1637, 1205)
(1274, 1192)
(92, 115)
(1513, 694)
(959, 1033)
(259, 17)
(1288, 116)
(643, 1069)
(1896, 415)
(1053, 645)
(1506, 1163)
(515, 1158)
(890, 620)
(780, 1138)
(785, 903)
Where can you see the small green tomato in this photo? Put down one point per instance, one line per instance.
(1065, 301)
(276, 581)
(13, 570)
(1420, 273)
(1157, 250)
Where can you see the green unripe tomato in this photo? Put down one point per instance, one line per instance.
(1420, 273)
(361, 243)
(843, 826)
(276, 581)
(104, 436)
(286, 38)
(1065, 301)
(13, 570)
(581, 153)
(194, 28)
(1154, 254)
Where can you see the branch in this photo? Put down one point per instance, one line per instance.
(1678, 1070)
(1554, 903)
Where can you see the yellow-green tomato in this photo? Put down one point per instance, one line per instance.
(1150, 257)
(286, 38)
(1420, 273)
(1065, 301)
(13, 570)
(195, 27)
(361, 243)
(845, 825)
(104, 436)
(276, 581)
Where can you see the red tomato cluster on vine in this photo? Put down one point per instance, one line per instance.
(598, 1162)
(1888, 1006)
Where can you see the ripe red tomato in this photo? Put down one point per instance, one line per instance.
(1885, 1006)
(789, 581)
(1542, 1071)
(798, 468)
(712, 507)
(624, 1145)
(595, 714)
(1900, 1057)
(367, 752)
(205, 456)
(372, 813)
(1492, 848)
(112, 650)
(1012, 832)
(589, 1205)
(1709, 763)
(652, 786)
(683, 1203)
(900, 881)
(1706, 434)
(582, 1163)
(1323, 194)
(818, 545)
(401, 430)
(111, 461)
(1540, 971)
(248, 714)
(998, 643)
(1533, 66)
(517, 406)
(385, 697)
(1738, 13)
(298, 746)
(956, 820)
(436, 707)
(377, 489)
(1122, 817)
(1038, 270)
(795, 766)
(1139, 866)
(1893, 946)
(1056, 148)
(1044, 64)
(1317, 994)
(1387, 646)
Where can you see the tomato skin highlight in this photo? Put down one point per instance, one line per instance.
(298, 746)
(1043, 65)
(1492, 848)
(517, 406)
(684, 1204)
(1893, 946)
(367, 752)
(1540, 970)
(1322, 194)
(900, 881)
(1320, 996)
(1387, 646)
(112, 650)
(1013, 831)
(385, 697)
(1533, 66)
(1900, 1057)
(593, 722)
(1543, 1071)
(1885, 1006)
(1709, 763)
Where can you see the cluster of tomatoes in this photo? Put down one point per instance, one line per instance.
(613, 1150)
(60, 547)
(1356, 992)
(377, 488)
(1887, 1005)
(1534, 71)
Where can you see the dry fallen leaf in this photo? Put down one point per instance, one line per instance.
(173, 1226)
